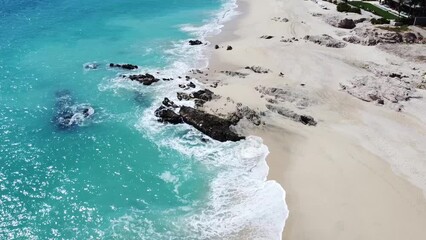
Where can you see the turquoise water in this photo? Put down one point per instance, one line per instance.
(119, 174)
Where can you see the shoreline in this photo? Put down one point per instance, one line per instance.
(337, 187)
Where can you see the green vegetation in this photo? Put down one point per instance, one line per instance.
(344, 7)
(373, 9)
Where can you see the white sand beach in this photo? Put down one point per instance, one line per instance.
(360, 173)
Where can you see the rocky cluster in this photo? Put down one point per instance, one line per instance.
(257, 69)
(374, 36)
(123, 66)
(211, 125)
(383, 88)
(200, 97)
(325, 40)
(305, 119)
(296, 98)
(145, 79)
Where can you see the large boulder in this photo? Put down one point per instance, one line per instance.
(346, 23)
(410, 37)
(211, 125)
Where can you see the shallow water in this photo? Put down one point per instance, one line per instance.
(118, 174)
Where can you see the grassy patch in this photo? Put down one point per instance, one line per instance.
(395, 29)
(373, 9)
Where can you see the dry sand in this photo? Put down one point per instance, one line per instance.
(361, 172)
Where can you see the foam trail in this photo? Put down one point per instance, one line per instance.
(241, 201)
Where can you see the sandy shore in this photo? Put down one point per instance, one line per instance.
(360, 173)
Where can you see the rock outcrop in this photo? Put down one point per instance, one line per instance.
(376, 35)
(325, 40)
(257, 69)
(390, 89)
(346, 23)
(123, 66)
(167, 115)
(305, 119)
(200, 97)
(211, 125)
(195, 42)
(145, 79)
(247, 113)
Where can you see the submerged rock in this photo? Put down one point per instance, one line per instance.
(91, 66)
(68, 113)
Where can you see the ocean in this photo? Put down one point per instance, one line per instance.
(119, 174)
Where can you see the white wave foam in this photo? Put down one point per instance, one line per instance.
(240, 201)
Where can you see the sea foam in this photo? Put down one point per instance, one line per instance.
(241, 201)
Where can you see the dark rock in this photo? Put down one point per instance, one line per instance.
(410, 37)
(216, 47)
(211, 125)
(205, 95)
(346, 23)
(168, 103)
(397, 75)
(199, 102)
(257, 69)
(381, 101)
(267, 37)
(228, 48)
(123, 66)
(145, 79)
(182, 85)
(183, 96)
(191, 85)
(195, 42)
(307, 120)
(360, 20)
(168, 115)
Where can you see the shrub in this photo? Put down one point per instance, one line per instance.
(344, 7)
(379, 21)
